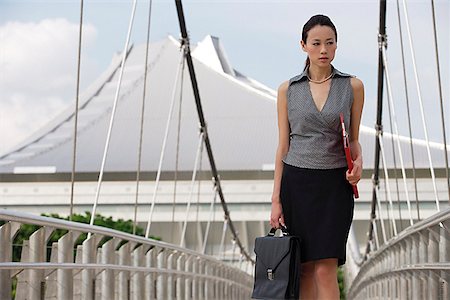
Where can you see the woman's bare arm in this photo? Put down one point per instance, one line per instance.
(283, 146)
(356, 112)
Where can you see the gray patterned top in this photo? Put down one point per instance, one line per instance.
(315, 136)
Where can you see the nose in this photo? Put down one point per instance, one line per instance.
(323, 50)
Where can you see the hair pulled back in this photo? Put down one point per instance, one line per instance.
(321, 20)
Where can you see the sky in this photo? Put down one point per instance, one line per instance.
(39, 41)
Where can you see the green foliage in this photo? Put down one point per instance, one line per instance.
(24, 233)
(341, 282)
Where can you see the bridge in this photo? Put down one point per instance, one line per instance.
(173, 155)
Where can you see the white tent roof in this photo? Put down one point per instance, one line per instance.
(240, 115)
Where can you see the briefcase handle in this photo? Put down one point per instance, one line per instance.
(284, 231)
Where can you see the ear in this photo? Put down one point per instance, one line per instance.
(303, 45)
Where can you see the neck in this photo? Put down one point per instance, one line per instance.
(319, 73)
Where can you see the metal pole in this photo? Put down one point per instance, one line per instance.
(75, 129)
(378, 125)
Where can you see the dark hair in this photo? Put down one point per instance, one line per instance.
(312, 22)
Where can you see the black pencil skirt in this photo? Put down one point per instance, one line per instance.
(318, 207)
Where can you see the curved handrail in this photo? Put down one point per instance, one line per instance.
(90, 266)
(365, 275)
(22, 217)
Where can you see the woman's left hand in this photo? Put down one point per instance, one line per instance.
(355, 175)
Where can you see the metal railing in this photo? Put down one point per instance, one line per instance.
(124, 267)
(415, 264)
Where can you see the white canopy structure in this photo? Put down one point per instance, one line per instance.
(240, 113)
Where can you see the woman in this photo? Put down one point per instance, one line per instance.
(312, 192)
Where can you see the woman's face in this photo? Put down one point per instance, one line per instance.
(320, 45)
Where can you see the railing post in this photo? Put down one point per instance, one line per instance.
(201, 281)
(64, 278)
(433, 257)
(423, 258)
(216, 283)
(188, 265)
(171, 258)
(195, 280)
(38, 253)
(161, 279)
(150, 279)
(77, 275)
(209, 285)
(416, 283)
(404, 260)
(237, 288)
(137, 279)
(89, 255)
(444, 256)
(384, 289)
(108, 280)
(5, 256)
(393, 278)
(180, 280)
(230, 285)
(124, 276)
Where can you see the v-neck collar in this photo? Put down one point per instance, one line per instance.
(304, 77)
(326, 100)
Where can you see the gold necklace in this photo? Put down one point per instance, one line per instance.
(318, 81)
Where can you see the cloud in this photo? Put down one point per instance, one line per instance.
(38, 77)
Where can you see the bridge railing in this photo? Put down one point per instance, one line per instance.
(124, 267)
(415, 264)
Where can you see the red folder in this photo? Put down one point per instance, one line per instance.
(348, 154)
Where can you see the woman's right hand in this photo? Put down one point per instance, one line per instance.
(276, 214)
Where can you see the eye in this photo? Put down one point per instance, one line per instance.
(330, 43)
(315, 44)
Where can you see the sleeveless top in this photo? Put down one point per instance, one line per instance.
(316, 136)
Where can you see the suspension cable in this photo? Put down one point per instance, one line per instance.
(211, 217)
(113, 113)
(380, 215)
(222, 240)
(377, 241)
(419, 95)
(391, 229)
(77, 100)
(177, 151)
(141, 133)
(391, 105)
(199, 188)
(394, 156)
(388, 187)
(191, 192)
(163, 149)
(441, 102)
(408, 112)
(233, 251)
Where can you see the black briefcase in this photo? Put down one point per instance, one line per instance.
(277, 268)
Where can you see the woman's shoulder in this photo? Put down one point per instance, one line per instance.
(356, 83)
(338, 73)
(283, 87)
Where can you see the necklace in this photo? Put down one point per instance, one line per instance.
(318, 81)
